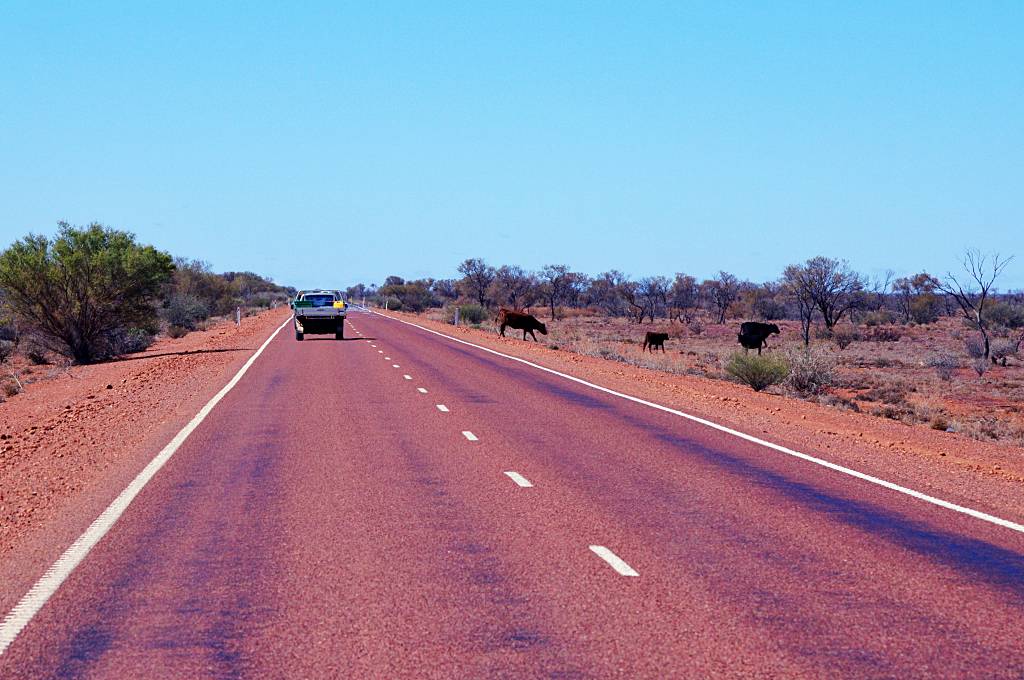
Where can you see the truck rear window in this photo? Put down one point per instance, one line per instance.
(319, 300)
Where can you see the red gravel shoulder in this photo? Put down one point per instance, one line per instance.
(982, 475)
(70, 443)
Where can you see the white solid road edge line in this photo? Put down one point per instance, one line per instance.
(616, 562)
(47, 585)
(519, 479)
(977, 514)
(469, 435)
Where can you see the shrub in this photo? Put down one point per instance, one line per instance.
(845, 335)
(185, 311)
(980, 366)
(892, 392)
(975, 347)
(945, 365)
(885, 334)
(1003, 349)
(756, 371)
(35, 353)
(11, 388)
(695, 327)
(811, 372)
(882, 317)
(177, 331)
(72, 291)
(129, 340)
(6, 350)
(1006, 314)
(392, 304)
(473, 314)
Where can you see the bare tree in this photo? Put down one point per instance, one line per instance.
(684, 298)
(630, 292)
(720, 293)
(476, 279)
(973, 294)
(555, 280)
(512, 286)
(605, 292)
(830, 284)
(654, 290)
(793, 286)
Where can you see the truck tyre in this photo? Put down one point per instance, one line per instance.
(298, 335)
(339, 330)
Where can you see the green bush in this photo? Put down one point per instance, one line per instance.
(756, 371)
(75, 291)
(473, 314)
(177, 331)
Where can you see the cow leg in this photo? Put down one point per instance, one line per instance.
(644, 348)
(663, 349)
(501, 331)
(532, 335)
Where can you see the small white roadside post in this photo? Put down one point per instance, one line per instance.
(456, 316)
(238, 316)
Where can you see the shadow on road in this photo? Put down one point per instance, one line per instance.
(136, 357)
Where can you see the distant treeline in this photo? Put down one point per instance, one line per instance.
(90, 293)
(822, 291)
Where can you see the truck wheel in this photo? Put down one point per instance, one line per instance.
(339, 331)
(298, 335)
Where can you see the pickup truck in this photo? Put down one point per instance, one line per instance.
(319, 312)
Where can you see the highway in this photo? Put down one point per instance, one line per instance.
(399, 504)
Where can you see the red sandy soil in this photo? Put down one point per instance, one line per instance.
(987, 476)
(76, 436)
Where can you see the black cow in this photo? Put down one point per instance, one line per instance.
(754, 335)
(653, 340)
(527, 323)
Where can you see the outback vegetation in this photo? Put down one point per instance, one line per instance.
(941, 351)
(92, 293)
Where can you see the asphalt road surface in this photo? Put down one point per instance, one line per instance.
(402, 505)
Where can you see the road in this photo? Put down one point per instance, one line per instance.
(402, 505)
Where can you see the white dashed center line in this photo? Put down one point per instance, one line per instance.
(380, 351)
(421, 390)
(395, 366)
(407, 377)
(616, 562)
(469, 435)
(519, 479)
(387, 358)
(443, 409)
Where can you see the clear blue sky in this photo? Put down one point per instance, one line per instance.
(329, 143)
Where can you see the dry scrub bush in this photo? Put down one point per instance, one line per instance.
(945, 365)
(811, 371)
(6, 350)
(758, 372)
(1003, 349)
(975, 347)
(885, 334)
(845, 336)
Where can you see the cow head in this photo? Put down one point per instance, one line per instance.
(542, 328)
(773, 329)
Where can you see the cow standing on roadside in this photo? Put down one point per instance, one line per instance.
(527, 323)
(754, 335)
(653, 340)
